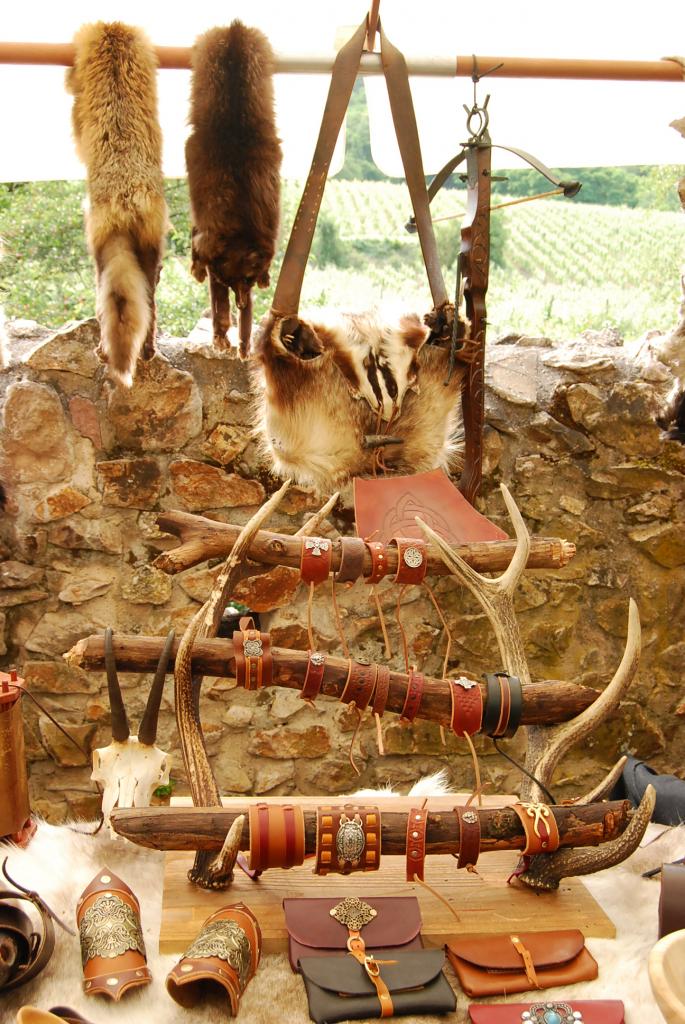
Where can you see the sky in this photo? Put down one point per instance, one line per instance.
(561, 123)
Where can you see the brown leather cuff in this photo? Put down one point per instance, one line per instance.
(361, 681)
(412, 700)
(347, 839)
(313, 678)
(379, 561)
(253, 659)
(380, 695)
(226, 952)
(112, 947)
(276, 836)
(417, 819)
(467, 706)
(540, 827)
(352, 552)
(412, 560)
(469, 837)
(315, 561)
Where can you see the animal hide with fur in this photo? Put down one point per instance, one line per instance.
(118, 138)
(233, 156)
(326, 383)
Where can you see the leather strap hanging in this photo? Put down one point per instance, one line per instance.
(286, 299)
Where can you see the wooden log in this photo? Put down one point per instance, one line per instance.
(543, 702)
(203, 538)
(205, 828)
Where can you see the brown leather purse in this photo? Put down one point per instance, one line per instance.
(314, 930)
(491, 965)
(578, 1011)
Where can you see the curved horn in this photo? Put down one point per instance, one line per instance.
(547, 869)
(147, 732)
(120, 729)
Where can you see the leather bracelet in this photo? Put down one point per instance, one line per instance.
(379, 561)
(469, 837)
(352, 552)
(467, 706)
(276, 836)
(412, 560)
(540, 827)
(380, 696)
(417, 819)
(348, 839)
(315, 559)
(313, 678)
(516, 706)
(503, 706)
(412, 700)
(361, 681)
(492, 704)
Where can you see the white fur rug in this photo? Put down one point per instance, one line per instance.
(59, 864)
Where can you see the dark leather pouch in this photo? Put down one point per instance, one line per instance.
(491, 965)
(339, 989)
(313, 932)
(593, 1011)
(672, 899)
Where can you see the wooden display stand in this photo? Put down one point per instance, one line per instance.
(484, 902)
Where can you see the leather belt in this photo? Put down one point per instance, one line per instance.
(352, 552)
(469, 837)
(417, 819)
(348, 838)
(379, 561)
(313, 678)
(412, 560)
(467, 706)
(540, 827)
(361, 681)
(315, 559)
(412, 700)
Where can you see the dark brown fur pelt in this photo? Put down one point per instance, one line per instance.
(114, 84)
(233, 156)
(672, 417)
(323, 385)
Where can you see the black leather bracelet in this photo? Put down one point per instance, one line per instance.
(493, 701)
(516, 691)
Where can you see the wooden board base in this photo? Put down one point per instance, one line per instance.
(484, 902)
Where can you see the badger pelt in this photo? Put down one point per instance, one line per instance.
(322, 386)
(118, 138)
(233, 157)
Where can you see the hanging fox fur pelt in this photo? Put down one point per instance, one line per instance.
(325, 384)
(118, 138)
(233, 156)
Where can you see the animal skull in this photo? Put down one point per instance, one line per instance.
(131, 767)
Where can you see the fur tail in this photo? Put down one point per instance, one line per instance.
(123, 307)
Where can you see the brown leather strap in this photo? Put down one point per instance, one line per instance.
(469, 837)
(348, 839)
(286, 298)
(417, 819)
(380, 696)
(361, 680)
(527, 958)
(467, 706)
(313, 678)
(352, 552)
(373, 970)
(412, 700)
(276, 836)
(412, 560)
(505, 705)
(540, 827)
(379, 561)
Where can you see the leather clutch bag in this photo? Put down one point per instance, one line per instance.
(492, 965)
(577, 1011)
(314, 931)
(339, 989)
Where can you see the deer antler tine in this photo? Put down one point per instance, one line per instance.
(147, 732)
(511, 575)
(120, 729)
(547, 869)
(603, 788)
(318, 517)
(220, 874)
(562, 737)
(454, 562)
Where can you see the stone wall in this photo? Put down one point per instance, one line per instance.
(570, 430)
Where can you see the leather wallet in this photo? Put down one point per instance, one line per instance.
(313, 931)
(491, 965)
(576, 1011)
(672, 899)
(339, 989)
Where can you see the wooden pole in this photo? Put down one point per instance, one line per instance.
(178, 57)
(543, 702)
(205, 828)
(203, 538)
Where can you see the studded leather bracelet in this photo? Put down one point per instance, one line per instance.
(412, 561)
(417, 819)
(379, 561)
(469, 836)
(467, 706)
(361, 681)
(348, 838)
(540, 827)
(253, 660)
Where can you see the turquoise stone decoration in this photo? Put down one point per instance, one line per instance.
(551, 1013)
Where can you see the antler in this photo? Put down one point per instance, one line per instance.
(120, 729)
(546, 870)
(147, 731)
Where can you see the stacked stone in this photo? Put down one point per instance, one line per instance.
(570, 430)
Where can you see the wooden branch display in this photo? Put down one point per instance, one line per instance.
(203, 538)
(543, 702)
(205, 828)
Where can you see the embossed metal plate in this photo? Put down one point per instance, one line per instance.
(316, 545)
(227, 941)
(353, 913)
(350, 840)
(109, 928)
(317, 659)
(253, 649)
(412, 557)
(470, 817)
